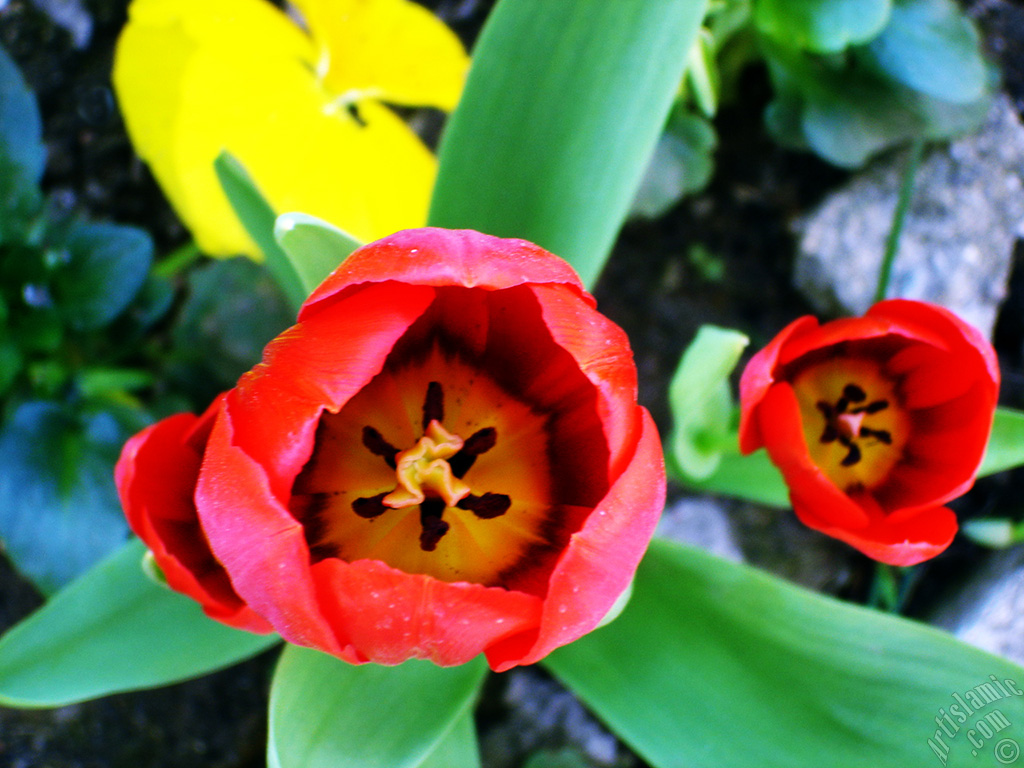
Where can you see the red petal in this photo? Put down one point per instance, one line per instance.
(440, 257)
(896, 542)
(809, 487)
(758, 377)
(386, 616)
(260, 544)
(316, 364)
(156, 476)
(600, 560)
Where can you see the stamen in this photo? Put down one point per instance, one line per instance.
(433, 404)
(378, 446)
(433, 527)
(479, 442)
(853, 456)
(881, 435)
(370, 507)
(854, 394)
(874, 407)
(488, 506)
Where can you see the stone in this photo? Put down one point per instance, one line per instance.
(966, 213)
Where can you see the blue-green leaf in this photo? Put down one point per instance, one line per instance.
(314, 247)
(822, 26)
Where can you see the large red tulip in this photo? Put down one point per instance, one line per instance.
(875, 422)
(444, 456)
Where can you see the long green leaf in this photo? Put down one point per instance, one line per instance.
(1006, 443)
(458, 748)
(258, 218)
(114, 630)
(562, 108)
(314, 247)
(325, 713)
(717, 665)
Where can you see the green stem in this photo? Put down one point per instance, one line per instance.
(899, 217)
(176, 261)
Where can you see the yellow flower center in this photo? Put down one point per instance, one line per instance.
(853, 422)
(472, 497)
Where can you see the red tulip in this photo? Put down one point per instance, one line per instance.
(875, 423)
(443, 457)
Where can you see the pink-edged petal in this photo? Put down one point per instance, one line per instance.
(759, 375)
(602, 351)
(319, 363)
(260, 544)
(386, 616)
(600, 559)
(779, 421)
(441, 257)
(156, 476)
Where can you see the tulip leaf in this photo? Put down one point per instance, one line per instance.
(701, 404)
(458, 748)
(545, 74)
(751, 478)
(112, 630)
(326, 713)
(1006, 443)
(314, 247)
(718, 664)
(258, 218)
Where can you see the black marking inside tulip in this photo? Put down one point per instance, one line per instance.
(838, 423)
(432, 525)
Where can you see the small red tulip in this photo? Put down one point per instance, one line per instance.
(875, 423)
(442, 457)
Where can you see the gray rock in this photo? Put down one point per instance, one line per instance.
(702, 521)
(988, 611)
(71, 15)
(965, 216)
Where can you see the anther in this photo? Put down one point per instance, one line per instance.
(433, 528)
(479, 442)
(433, 404)
(378, 446)
(488, 506)
(369, 507)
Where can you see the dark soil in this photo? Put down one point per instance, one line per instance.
(657, 286)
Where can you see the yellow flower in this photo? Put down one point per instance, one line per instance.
(300, 110)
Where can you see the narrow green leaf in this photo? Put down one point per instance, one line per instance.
(718, 664)
(1006, 443)
(314, 247)
(458, 748)
(258, 218)
(751, 478)
(700, 400)
(562, 108)
(326, 713)
(114, 630)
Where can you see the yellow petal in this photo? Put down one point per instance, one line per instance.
(394, 50)
(195, 77)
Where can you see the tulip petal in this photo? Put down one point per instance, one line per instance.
(601, 558)
(443, 257)
(388, 616)
(195, 78)
(393, 50)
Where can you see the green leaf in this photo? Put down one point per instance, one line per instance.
(682, 163)
(22, 152)
(326, 713)
(932, 47)
(258, 218)
(314, 247)
(561, 111)
(106, 268)
(718, 664)
(846, 111)
(59, 511)
(822, 26)
(1005, 448)
(458, 748)
(114, 630)
(751, 478)
(701, 402)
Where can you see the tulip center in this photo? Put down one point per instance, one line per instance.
(853, 423)
(435, 468)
